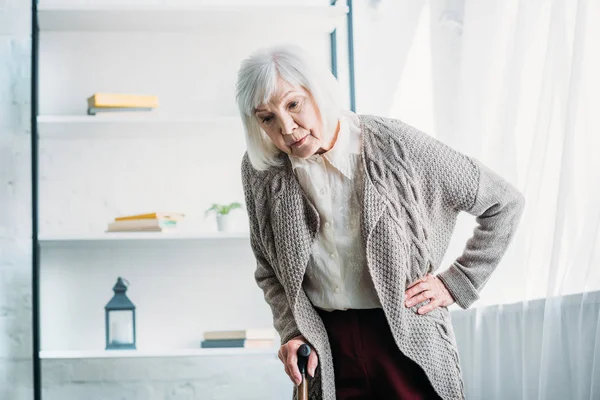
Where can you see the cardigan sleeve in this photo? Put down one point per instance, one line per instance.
(274, 293)
(456, 183)
(498, 207)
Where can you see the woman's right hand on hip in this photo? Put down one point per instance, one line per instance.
(288, 354)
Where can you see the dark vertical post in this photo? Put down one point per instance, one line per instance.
(35, 250)
(351, 57)
(333, 41)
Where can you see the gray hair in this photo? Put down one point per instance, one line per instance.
(257, 81)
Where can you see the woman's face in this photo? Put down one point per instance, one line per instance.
(292, 121)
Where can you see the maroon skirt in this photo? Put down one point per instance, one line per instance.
(367, 362)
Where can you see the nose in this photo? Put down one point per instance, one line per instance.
(287, 125)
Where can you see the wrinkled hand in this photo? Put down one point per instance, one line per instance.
(288, 354)
(428, 287)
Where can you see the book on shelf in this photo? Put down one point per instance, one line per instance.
(142, 225)
(98, 111)
(149, 222)
(119, 100)
(248, 334)
(122, 104)
(154, 215)
(238, 343)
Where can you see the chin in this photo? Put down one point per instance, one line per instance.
(307, 153)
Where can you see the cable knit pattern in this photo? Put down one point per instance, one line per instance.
(414, 186)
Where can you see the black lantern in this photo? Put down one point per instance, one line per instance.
(120, 319)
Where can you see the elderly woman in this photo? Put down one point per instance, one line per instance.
(350, 216)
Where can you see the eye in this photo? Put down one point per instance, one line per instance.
(294, 104)
(266, 120)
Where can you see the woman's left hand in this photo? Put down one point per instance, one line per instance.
(428, 287)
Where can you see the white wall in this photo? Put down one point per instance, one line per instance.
(15, 201)
(180, 289)
(86, 181)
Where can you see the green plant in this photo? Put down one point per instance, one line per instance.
(223, 209)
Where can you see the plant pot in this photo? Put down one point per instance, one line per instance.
(223, 223)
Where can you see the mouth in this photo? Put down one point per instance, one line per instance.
(299, 142)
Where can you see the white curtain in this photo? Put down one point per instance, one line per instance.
(515, 84)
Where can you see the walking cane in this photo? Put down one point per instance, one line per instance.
(303, 353)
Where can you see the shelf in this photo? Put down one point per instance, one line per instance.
(49, 355)
(117, 126)
(84, 17)
(149, 238)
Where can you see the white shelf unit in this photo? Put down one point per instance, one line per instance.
(142, 236)
(102, 165)
(149, 239)
(48, 355)
(207, 18)
(131, 126)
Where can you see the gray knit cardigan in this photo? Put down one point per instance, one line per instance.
(413, 189)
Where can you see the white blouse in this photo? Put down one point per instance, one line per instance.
(337, 276)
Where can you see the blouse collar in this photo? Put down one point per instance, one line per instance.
(346, 145)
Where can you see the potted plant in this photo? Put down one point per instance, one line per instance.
(223, 211)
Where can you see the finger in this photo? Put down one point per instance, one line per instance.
(313, 362)
(289, 374)
(283, 353)
(292, 364)
(420, 287)
(428, 294)
(429, 307)
(283, 357)
(416, 282)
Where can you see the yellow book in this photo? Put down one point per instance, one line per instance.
(154, 215)
(112, 100)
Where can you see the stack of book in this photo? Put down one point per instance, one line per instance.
(248, 338)
(115, 103)
(151, 222)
